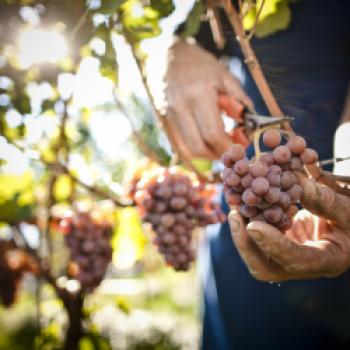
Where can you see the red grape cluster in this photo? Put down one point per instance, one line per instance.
(267, 189)
(88, 241)
(174, 205)
(14, 263)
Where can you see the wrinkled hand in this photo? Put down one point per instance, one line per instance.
(316, 246)
(193, 80)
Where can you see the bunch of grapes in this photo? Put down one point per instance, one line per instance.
(267, 189)
(88, 241)
(14, 263)
(174, 205)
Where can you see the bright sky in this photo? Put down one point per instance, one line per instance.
(89, 88)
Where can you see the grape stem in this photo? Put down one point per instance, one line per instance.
(256, 138)
(254, 67)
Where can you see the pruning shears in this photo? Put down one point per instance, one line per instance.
(247, 121)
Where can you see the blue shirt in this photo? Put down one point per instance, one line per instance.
(308, 68)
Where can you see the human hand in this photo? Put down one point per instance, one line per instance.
(193, 80)
(318, 245)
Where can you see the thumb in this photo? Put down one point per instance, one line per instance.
(323, 201)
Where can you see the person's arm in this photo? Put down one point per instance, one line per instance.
(193, 80)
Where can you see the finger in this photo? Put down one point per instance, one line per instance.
(232, 86)
(188, 132)
(305, 261)
(297, 232)
(208, 119)
(258, 265)
(323, 201)
(303, 227)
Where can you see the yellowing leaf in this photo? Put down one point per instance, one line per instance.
(129, 240)
(63, 187)
(275, 15)
(12, 184)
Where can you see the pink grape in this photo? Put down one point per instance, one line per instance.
(281, 154)
(259, 169)
(309, 156)
(273, 214)
(272, 138)
(236, 152)
(260, 186)
(273, 195)
(296, 144)
(241, 167)
(250, 198)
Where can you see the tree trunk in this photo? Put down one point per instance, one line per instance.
(74, 306)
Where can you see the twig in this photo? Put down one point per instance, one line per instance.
(94, 189)
(250, 35)
(79, 24)
(147, 151)
(340, 178)
(332, 160)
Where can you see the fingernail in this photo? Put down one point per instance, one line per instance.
(256, 235)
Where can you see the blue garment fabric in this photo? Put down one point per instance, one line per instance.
(308, 68)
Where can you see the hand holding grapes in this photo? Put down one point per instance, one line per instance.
(314, 247)
(274, 246)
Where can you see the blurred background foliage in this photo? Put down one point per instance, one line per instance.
(76, 129)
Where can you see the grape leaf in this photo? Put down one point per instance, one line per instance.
(110, 6)
(164, 7)
(193, 21)
(140, 22)
(16, 197)
(275, 16)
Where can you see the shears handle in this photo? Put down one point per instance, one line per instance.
(234, 109)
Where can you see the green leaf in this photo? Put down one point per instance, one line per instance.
(164, 7)
(275, 16)
(16, 197)
(22, 103)
(48, 105)
(108, 62)
(110, 6)
(202, 165)
(193, 20)
(140, 22)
